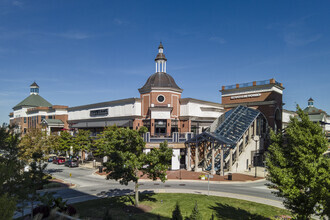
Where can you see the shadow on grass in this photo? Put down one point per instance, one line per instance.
(119, 203)
(223, 211)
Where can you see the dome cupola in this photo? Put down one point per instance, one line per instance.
(160, 79)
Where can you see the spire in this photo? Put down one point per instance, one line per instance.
(34, 89)
(310, 102)
(160, 59)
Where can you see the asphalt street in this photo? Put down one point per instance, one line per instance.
(92, 186)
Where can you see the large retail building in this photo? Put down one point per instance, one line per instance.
(199, 131)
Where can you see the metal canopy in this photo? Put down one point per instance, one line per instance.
(233, 124)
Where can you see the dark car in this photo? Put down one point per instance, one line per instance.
(59, 160)
(72, 163)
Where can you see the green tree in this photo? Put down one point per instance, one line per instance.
(32, 142)
(126, 159)
(195, 215)
(52, 142)
(176, 214)
(65, 141)
(83, 140)
(297, 168)
(10, 172)
(7, 206)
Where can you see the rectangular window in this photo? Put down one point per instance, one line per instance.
(43, 117)
(24, 120)
(50, 117)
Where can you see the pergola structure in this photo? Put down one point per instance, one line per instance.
(221, 145)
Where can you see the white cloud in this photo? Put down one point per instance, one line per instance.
(219, 40)
(18, 3)
(296, 33)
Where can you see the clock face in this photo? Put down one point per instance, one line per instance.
(160, 98)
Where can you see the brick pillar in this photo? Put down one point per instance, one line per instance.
(152, 127)
(189, 125)
(168, 127)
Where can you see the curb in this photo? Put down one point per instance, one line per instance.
(195, 181)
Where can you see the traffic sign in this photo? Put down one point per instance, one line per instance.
(70, 174)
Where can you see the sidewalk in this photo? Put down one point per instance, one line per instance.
(191, 175)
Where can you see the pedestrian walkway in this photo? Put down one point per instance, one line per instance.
(191, 175)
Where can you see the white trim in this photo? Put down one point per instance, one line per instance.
(155, 90)
(273, 89)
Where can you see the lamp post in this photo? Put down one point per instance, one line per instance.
(256, 139)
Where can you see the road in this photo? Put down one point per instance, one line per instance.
(91, 186)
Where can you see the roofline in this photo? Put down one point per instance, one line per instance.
(103, 104)
(186, 100)
(248, 87)
(147, 90)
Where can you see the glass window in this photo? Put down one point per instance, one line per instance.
(160, 98)
(24, 119)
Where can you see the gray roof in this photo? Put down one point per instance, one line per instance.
(33, 101)
(160, 56)
(105, 104)
(160, 80)
(34, 84)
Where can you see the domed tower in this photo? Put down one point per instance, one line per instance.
(160, 99)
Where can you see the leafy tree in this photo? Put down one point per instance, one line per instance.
(297, 168)
(7, 206)
(195, 215)
(127, 161)
(52, 142)
(65, 141)
(35, 178)
(176, 214)
(10, 165)
(83, 140)
(32, 142)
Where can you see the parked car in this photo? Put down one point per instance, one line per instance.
(51, 158)
(72, 163)
(59, 160)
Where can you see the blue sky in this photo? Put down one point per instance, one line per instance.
(82, 52)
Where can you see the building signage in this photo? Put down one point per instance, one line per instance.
(100, 112)
(246, 96)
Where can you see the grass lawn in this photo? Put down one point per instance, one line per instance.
(163, 204)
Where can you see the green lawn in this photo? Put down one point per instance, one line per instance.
(163, 205)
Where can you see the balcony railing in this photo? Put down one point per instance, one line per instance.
(250, 84)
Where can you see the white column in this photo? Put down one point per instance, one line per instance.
(196, 157)
(156, 67)
(221, 162)
(189, 158)
(212, 168)
(162, 66)
(230, 158)
(165, 67)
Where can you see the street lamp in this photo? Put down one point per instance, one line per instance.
(256, 139)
